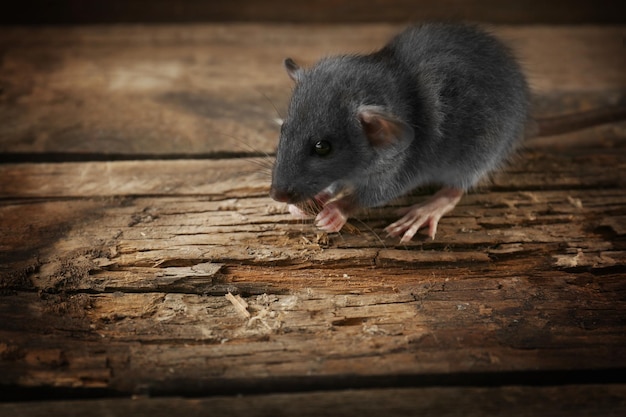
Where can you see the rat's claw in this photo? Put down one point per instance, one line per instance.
(331, 218)
(432, 228)
(408, 225)
(429, 212)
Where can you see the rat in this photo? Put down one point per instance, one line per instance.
(441, 104)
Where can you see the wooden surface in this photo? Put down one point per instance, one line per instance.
(116, 253)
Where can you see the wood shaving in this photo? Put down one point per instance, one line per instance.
(240, 304)
(576, 202)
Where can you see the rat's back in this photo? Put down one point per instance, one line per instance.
(476, 92)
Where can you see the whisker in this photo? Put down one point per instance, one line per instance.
(265, 161)
(262, 163)
(341, 236)
(369, 229)
(245, 144)
(272, 104)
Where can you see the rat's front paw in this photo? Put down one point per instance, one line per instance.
(331, 218)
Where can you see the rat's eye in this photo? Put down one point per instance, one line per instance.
(322, 147)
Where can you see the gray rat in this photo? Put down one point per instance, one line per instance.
(440, 104)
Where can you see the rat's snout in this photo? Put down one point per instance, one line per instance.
(283, 196)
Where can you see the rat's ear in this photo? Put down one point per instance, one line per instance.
(383, 129)
(293, 70)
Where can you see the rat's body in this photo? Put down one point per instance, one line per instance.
(440, 104)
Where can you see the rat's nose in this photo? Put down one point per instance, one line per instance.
(281, 195)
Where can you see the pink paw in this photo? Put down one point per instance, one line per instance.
(331, 218)
(428, 213)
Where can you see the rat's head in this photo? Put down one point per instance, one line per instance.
(337, 128)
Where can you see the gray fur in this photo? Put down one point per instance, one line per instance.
(456, 88)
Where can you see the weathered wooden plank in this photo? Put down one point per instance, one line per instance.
(98, 92)
(212, 179)
(193, 212)
(147, 234)
(567, 401)
(414, 326)
(225, 179)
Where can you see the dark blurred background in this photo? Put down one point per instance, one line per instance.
(63, 12)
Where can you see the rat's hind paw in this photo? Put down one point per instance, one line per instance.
(427, 213)
(331, 218)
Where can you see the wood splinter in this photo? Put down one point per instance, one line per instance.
(240, 304)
